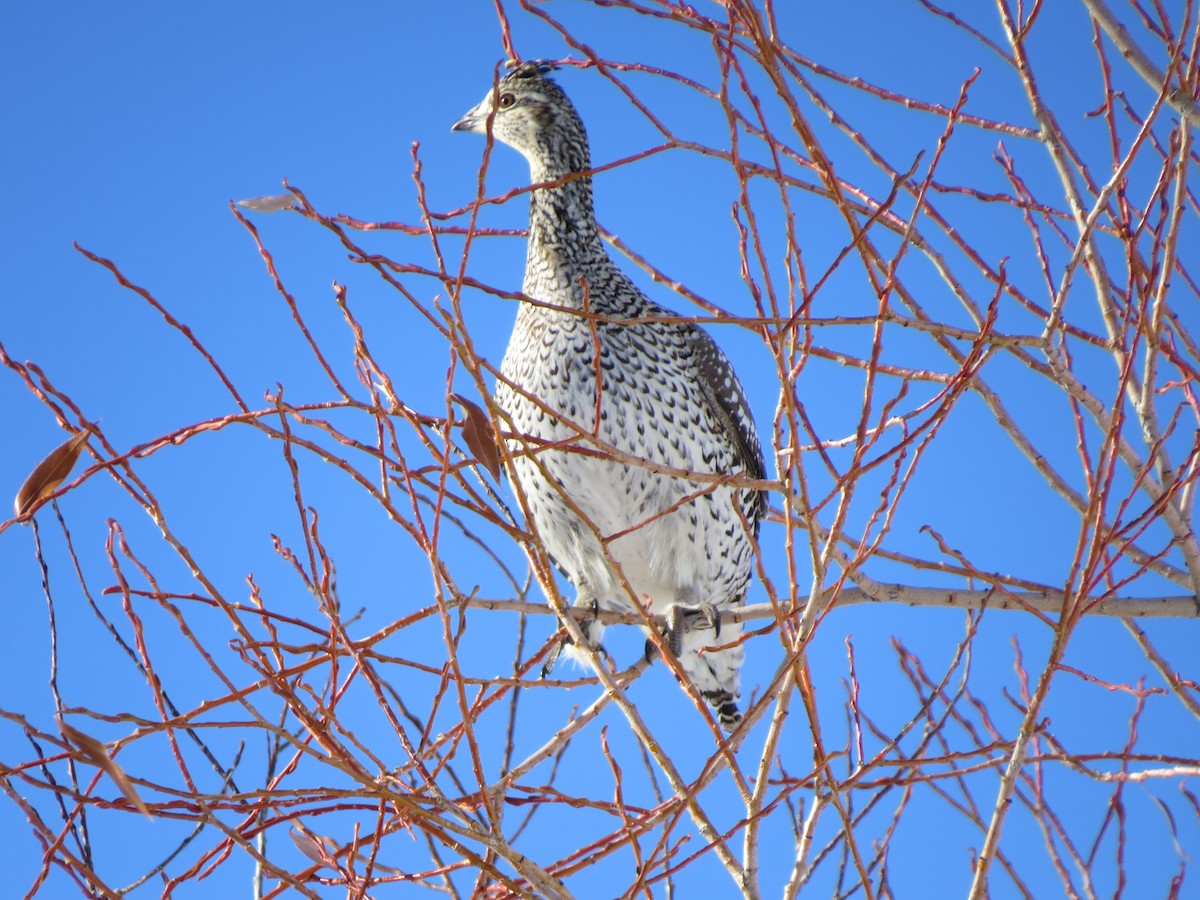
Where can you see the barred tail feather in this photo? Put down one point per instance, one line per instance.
(716, 673)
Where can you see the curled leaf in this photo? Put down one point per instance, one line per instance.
(310, 846)
(478, 436)
(49, 474)
(268, 203)
(94, 752)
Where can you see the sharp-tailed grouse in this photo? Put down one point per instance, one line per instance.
(588, 344)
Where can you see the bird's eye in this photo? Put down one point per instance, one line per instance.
(507, 100)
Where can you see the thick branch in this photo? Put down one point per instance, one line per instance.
(1049, 602)
(1119, 35)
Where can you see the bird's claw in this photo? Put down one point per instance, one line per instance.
(548, 665)
(651, 652)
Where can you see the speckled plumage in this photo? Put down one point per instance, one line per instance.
(667, 395)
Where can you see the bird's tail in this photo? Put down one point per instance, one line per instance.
(715, 672)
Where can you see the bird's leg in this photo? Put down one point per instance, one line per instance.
(676, 626)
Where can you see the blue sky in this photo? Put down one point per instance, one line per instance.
(130, 128)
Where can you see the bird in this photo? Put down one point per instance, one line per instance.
(612, 401)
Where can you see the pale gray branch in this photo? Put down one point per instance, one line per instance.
(1048, 602)
(1142, 64)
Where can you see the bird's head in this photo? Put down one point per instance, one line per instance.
(531, 114)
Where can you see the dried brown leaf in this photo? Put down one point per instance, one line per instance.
(268, 203)
(478, 436)
(1170, 817)
(49, 474)
(94, 752)
(309, 846)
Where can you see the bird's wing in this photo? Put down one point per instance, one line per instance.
(727, 399)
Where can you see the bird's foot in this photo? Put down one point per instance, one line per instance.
(585, 625)
(679, 618)
(712, 618)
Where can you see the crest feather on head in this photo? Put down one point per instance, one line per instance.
(531, 68)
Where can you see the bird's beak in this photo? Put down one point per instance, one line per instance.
(475, 120)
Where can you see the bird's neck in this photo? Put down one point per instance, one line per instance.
(564, 241)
